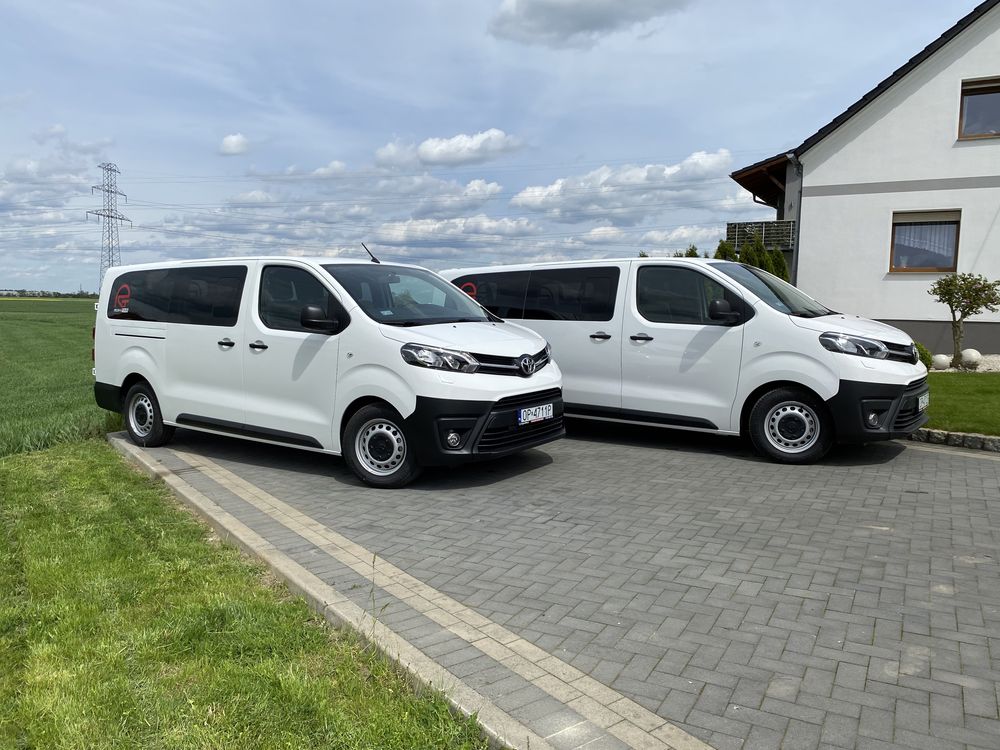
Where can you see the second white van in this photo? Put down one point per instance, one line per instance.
(713, 346)
(388, 365)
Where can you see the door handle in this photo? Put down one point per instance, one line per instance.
(641, 337)
(259, 345)
(226, 343)
(600, 336)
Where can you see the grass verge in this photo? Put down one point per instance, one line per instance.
(965, 402)
(46, 386)
(121, 626)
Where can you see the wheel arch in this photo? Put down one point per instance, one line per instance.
(760, 390)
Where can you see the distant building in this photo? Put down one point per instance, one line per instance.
(901, 188)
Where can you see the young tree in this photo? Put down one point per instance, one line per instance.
(778, 265)
(725, 251)
(752, 253)
(966, 294)
(643, 254)
(692, 252)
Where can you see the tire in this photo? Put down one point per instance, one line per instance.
(377, 448)
(791, 426)
(142, 417)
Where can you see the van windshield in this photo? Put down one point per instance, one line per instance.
(400, 296)
(779, 294)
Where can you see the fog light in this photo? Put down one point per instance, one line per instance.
(453, 439)
(873, 419)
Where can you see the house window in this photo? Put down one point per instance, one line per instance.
(925, 241)
(980, 116)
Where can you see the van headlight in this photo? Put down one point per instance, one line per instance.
(856, 345)
(438, 359)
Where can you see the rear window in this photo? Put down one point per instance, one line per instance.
(206, 296)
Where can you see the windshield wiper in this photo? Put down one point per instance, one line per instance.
(403, 323)
(463, 320)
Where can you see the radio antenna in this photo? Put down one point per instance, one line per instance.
(374, 259)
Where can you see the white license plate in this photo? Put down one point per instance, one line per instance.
(534, 414)
(923, 401)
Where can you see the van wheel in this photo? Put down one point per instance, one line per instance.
(143, 419)
(791, 426)
(376, 448)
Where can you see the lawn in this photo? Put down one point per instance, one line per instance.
(123, 625)
(965, 402)
(46, 386)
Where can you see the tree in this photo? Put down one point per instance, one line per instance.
(643, 254)
(725, 251)
(778, 265)
(692, 252)
(966, 294)
(753, 251)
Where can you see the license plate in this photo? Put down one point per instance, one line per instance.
(534, 414)
(923, 401)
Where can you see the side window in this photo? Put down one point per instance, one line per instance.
(284, 291)
(500, 293)
(672, 294)
(206, 296)
(572, 294)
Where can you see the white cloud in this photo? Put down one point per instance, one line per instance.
(449, 203)
(254, 196)
(448, 152)
(396, 154)
(685, 235)
(467, 149)
(333, 168)
(574, 23)
(480, 227)
(626, 195)
(234, 144)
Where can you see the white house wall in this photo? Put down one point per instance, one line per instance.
(902, 153)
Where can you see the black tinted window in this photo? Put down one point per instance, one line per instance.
(208, 296)
(500, 293)
(572, 294)
(285, 290)
(672, 294)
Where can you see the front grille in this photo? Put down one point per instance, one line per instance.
(512, 436)
(525, 399)
(902, 352)
(909, 416)
(493, 365)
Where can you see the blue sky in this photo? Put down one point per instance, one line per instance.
(444, 133)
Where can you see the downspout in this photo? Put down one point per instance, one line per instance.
(798, 215)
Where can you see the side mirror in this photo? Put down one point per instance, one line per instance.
(721, 310)
(315, 319)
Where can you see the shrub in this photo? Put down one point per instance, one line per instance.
(925, 354)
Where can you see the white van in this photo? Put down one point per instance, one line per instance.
(389, 365)
(712, 346)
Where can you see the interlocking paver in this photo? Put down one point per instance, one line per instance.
(855, 603)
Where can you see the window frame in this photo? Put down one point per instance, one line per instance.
(925, 269)
(977, 86)
(343, 317)
(742, 308)
(612, 269)
(172, 272)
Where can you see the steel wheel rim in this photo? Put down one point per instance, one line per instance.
(792, 427)
(380, 447)
(141, 415)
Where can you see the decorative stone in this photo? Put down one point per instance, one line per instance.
(973, 441)
(991, 444)
(971, 358)
(940, 361)
(956, 439)
(919, 436)
(936, 436)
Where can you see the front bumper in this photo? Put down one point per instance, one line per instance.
(896, 405)
(488, 429)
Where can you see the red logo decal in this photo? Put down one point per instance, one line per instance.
(122, 296)
(469, 288)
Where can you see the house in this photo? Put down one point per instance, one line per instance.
(901, 188)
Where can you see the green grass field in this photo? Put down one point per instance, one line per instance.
(46, 386)
(123, 626)
(965, 402)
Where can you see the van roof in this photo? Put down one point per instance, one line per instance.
(450, 272)
(310, 259)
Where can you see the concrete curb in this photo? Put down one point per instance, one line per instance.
(971, 440)
(500, 728)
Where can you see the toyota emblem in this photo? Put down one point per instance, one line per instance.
(526, 364)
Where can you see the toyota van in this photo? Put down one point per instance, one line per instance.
(387, 365)
(712, 346)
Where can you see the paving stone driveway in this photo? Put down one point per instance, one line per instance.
(853, 604)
